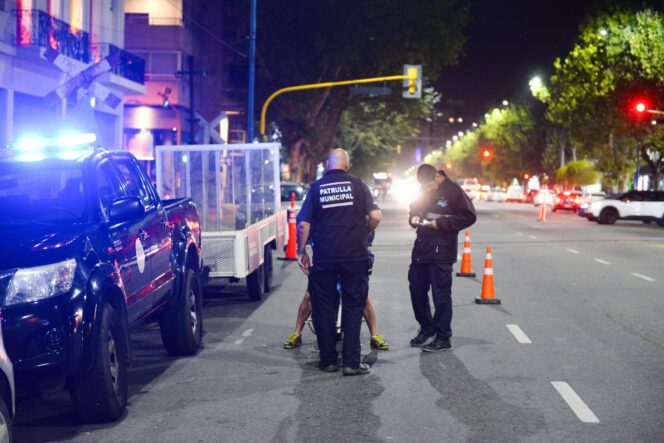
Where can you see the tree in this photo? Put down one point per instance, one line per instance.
(301, 41)
(578, 173)
(617, 56)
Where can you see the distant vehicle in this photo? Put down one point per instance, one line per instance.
(567, 200)
(531, 195)
(515, 194)
(89, 250)
(471, 187)
(485, 190)
(7, 403)
(584, 202)
(647, 206)
(545, 196)
(381, 185)
(288, 188)
(497, 195)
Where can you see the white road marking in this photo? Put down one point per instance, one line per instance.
(532, 237)
(520, 234)
(645, 277)
(247, 333)
(520, 336)
(239, 341)
(574, 401)
(573, 251)
(604, 262)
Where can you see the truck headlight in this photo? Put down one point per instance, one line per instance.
(33, 284)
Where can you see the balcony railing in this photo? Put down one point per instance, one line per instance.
(38, 29)
(130, 67)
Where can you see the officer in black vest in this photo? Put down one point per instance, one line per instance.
(441, 210)
(338, 212)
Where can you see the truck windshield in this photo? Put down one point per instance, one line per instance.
(44, 191)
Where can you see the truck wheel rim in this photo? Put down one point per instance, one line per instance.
(114, 365)
(192, 311)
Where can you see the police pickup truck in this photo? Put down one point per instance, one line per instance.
(87, 250)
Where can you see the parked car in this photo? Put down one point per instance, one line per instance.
(584, 202)
(7, 403)
(90, 250)
(647, 206)
(515, 194)
(567, 200)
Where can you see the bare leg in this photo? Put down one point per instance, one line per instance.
(303, 313)
(370, 317)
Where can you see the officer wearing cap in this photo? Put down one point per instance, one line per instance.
(441, 210)
(339, 212)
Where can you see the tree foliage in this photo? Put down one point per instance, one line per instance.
(301, 41)
(578, 173)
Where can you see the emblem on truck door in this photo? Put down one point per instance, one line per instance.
(140, 255)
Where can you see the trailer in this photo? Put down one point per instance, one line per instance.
(236, 188)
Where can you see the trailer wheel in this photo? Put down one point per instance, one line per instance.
(268, 271)
(256, 284)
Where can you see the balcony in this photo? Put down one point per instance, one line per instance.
(38, 29)
(130, 67)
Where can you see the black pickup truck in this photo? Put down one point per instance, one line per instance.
(87, 251)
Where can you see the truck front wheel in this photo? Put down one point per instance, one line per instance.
(101, 395)
(181, 324)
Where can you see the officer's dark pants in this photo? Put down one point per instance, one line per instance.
(354, 280)
(438, 276)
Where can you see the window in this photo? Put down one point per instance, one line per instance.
(107, 187)
(163, 63)
(133, 182)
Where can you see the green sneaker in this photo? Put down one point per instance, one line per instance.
(378, 342)
(293, 341)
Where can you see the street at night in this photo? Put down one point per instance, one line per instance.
(586, 298)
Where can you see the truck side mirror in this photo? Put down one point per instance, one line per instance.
(125, 209)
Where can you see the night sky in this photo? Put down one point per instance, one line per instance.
(508, 43)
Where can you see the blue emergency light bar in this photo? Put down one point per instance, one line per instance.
(68, 146)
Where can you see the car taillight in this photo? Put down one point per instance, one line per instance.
(557, 200)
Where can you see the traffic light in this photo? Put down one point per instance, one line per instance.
(413, 83)
(487, 153)
(640, 109)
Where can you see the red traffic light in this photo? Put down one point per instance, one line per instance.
(640, 107)
(486, 153)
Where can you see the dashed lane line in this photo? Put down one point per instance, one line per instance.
(604, 262)
(520, 234)
(574, 401)
(532, 237)
(518, 333)
(644, 277)
(246, 333)
(573, 251)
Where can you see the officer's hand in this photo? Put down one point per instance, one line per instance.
(429, 224)
(415, 220)
(304, 262)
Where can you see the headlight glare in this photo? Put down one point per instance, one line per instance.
(33, 284)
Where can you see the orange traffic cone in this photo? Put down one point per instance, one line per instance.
(466, 262)
(291, 247)
(488, 296)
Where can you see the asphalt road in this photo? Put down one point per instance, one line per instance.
(588, 298)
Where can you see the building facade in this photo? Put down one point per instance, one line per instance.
(81, 33)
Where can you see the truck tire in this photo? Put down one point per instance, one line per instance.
(5, 423)
(181, 324)
(101, 395)
(255, 284)
(269, 269)
(608, 216)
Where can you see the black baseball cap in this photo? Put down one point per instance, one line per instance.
(426, 173)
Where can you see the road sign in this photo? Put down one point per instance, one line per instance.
(412, 86)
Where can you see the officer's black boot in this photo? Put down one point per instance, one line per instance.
(423, 335)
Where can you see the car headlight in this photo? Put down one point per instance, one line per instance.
(33, 284)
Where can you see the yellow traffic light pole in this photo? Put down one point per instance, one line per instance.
(412, 77)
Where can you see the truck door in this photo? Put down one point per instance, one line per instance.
(157, 233)
(125, 239)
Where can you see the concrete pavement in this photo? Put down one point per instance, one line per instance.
(569, 286)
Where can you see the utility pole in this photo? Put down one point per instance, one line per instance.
(252, 72)
(190, 73)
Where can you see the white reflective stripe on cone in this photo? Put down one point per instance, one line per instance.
(466, 250)
(488, 271)
(488, 257)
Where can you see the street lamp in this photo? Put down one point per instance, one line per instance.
(474, 125)
(505, 103)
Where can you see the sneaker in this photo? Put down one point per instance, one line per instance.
(360, 370)
(439, 344)
(293, 341)
(423, 335)
(378, 342)
(328, 368)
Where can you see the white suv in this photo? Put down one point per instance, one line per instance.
(647, 206)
